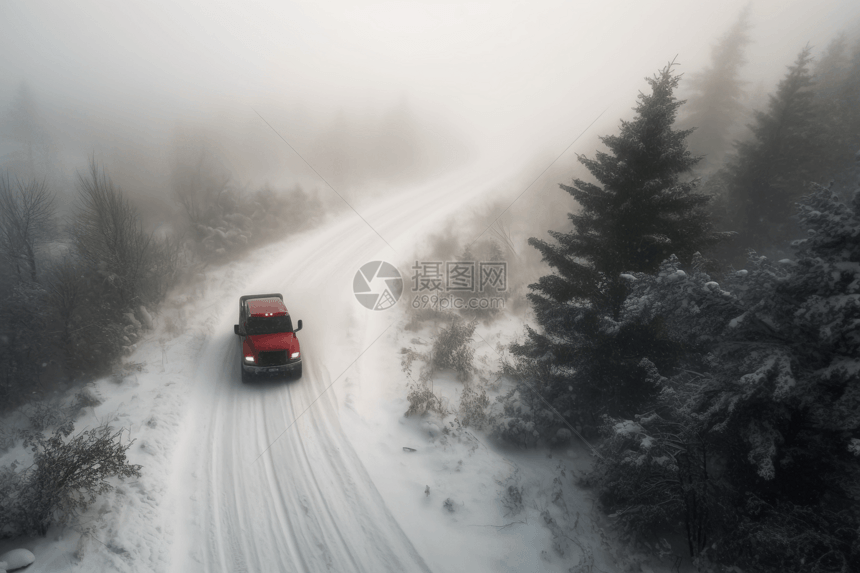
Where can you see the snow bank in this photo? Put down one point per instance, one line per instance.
(15, 559)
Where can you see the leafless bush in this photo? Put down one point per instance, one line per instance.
(79, 309)
(109, 237)
(23, 322)
(422, 399)
(512, 499)
(409, 356)
(86, 397)
(8, 436)
(65, 478)
(197, 187)
(226, 219)
(167, 258)
(474, 404)
(65, 290)
(464, 245)
(44, 414)
(127, 370)
(66, 293)
(26, 223)
(451, 349)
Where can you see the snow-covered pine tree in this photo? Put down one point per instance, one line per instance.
(754, 440)
(638, 214)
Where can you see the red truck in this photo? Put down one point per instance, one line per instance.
(269, 342)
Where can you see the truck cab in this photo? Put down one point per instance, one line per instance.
(268, 340)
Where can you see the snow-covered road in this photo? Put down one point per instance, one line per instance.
(311, 474)
(263, 476)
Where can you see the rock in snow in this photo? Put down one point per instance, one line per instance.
(16, 559)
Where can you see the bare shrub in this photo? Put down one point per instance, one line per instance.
(472, 300)
(8, 436)
(512, 499)
(23, 345)
(451, 349)
(65, 288)
(44, 414)
(226, 219)
(422, 399)
(126, 370)
(65, 478)
(26, 223)
(409, 358)
(84, 398)
(108, 235)
(167, 257)
(115, 271)
(487, 309)
(473, 407)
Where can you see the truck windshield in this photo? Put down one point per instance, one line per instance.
(268, 324)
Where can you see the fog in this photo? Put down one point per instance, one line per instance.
(365, 91)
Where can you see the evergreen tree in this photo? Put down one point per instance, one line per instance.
(831, 71)
(771, 171)
(838, 94)
(851, 92)
(838, 106)
(755, 442)
(638, 215)
(715, 105)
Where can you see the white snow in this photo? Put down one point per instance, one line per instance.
(736, 321)
(627, 427)
(16, 559)
(311, 475)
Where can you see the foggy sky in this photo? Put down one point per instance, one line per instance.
(523, 77)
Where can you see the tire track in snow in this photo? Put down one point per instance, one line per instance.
(307, 504)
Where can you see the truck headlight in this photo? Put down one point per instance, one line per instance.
(295, 355)
(249, 359)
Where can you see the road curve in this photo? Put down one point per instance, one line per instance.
(264, 477)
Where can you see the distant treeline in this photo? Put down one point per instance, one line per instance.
(76, 297)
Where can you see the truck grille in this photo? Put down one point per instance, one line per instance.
(276, 358)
